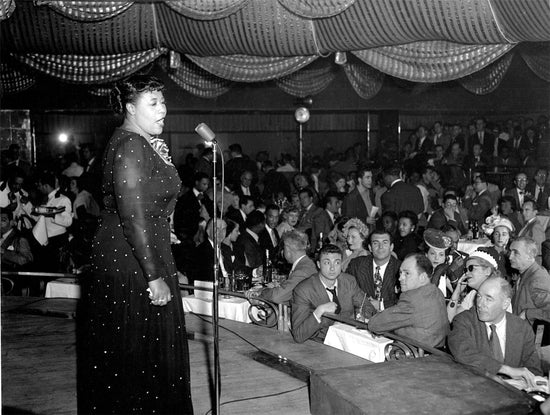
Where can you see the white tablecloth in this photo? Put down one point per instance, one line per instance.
(470, 246)
(66, 288)
(231, 308)
(358, 342)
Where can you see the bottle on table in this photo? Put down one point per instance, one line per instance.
(268, 268)
(475, 229)
(319, 244)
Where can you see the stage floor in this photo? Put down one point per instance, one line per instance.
(39, 362)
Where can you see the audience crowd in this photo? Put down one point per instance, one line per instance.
(374, 239)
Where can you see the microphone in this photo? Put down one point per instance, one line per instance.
(205, 132)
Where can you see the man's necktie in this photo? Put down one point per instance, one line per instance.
(495, 344)
(378, 283)
(335, 299)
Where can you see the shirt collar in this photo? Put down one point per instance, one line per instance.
(324, 285)
(296, 263)
(500, 324)
(51, 195)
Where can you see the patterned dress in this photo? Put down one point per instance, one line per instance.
(133, 356)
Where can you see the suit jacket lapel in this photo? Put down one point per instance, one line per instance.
(320, 290)
(388, 275)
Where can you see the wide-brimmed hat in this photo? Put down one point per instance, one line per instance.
(436, 239)
(493, 221)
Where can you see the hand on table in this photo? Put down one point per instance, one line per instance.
(520, 373)
(159, 292)
(325, 308)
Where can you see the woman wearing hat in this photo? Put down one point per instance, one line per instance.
(480, 265)
(503, 229)
(438, 245)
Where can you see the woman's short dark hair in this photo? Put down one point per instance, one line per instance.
(231, 225)
(409, 214)
(127, 90)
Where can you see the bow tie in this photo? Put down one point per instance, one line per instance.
(161, 148)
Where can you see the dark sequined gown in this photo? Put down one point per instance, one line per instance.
(132, 356)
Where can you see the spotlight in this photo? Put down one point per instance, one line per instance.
(63, 137)
(301, 115)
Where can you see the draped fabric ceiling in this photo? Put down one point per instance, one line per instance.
(206, 46)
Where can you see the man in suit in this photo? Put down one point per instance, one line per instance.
(448, 214)
(420, 312)
(325, 221)
(248, 252)
(479, 201)
(439, 137)
(246, 188)
(482, 137)
(532, 227)
(269, 238)
(456, 137)
(295, 244)
(423, 144)
(330, 291)
(204, 254)
(192, 207)
(246, 206)
(531, 299)
(400, 196)
(378, 276)
(309, 211)
(540, 190)
(360, 201)
(507, 160)
(275, 183)
(238, 164)
(489, 338)
(519, 191)
(476, 159)
(16, 161)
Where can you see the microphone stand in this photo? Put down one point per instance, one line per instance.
(215, 292)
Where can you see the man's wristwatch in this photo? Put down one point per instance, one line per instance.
(452, 304)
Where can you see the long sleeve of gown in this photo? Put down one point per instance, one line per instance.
(132, 169)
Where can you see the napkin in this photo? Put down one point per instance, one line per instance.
(40, 232)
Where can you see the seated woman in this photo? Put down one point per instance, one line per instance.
(501, 230)
(356, 233)
(407, 241)
(226, 246)
(290, 217)
(336, 236)
(480, 265)
(437, 249)
(507, 208)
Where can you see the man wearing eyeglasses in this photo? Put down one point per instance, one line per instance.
(519, 192)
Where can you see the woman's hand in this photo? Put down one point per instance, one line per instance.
(159, 292)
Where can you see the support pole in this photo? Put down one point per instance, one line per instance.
(215, 293)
